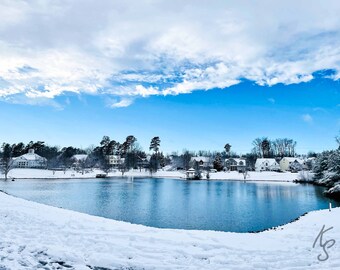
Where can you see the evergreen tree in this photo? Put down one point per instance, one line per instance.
(218, 164)
(6, 158)
(155, 144)
(227, 148)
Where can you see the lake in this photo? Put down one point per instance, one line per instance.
(234, 206)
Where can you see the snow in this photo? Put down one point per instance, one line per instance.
(80, 157)
(36, 236)
(234, 175)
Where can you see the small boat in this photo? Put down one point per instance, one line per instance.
(101, 175)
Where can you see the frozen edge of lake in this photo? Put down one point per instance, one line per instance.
(34, 235)
(253, 176)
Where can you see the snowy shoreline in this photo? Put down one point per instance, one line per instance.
(34, 235)
(70, 174)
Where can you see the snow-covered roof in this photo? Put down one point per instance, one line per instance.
(30, 156)
(270, 161)
(80, 157)
(238, 160)
(203, 159)
(293, 159)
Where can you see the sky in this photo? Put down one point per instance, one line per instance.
(198, 74)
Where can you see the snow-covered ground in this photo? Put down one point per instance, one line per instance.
(252, 176)
(36, 236)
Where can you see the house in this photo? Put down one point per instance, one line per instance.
(29, 160)
(201, 162)
(115, 160)
(266, 164)
(79, 160)
(288, 163)
(235, 164)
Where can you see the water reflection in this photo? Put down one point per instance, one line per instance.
(170, 203)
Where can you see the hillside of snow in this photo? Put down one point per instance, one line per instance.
(36, 236)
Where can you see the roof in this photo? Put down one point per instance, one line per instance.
(271, 161)
(204, 159)
(80, 157)
(30, 156)
(293, 159)
(238, 160)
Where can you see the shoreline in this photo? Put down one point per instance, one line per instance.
(81, 240)
(71, 174)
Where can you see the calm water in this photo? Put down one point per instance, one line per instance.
(169, 203)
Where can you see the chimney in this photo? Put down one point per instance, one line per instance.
(31, 151)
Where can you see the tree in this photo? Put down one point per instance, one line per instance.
(227, 148)
(337, 139)
(218, 164)
(155, 144)
(265, 148)
(321, 165)
(6, 158)
(153, 163)
(257, 147)
(186, 157)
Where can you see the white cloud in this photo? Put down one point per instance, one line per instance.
(271, 100)
(307, 118)
(124, 102)
(154, 47)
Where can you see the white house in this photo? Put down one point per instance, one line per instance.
(235, 164)
(115, 160)
(286, 162)
(29, 160)
(266, 164)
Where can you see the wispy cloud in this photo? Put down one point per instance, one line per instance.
(319, 109)
(271, 100)
(48, 48)
(124, 102)
(307, 118)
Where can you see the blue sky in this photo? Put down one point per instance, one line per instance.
(198, 74)
(201, 120)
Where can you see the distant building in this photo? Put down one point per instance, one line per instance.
(287, 163)
(115, 160)
(191, 173)
(29, 160)
(79, 157)
(235, 164)
(79, 160)
(201, 162)
(266, 164)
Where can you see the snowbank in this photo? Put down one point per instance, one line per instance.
(40, 173)
(252, 176)
(35, 236)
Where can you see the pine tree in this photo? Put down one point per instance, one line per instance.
(218, 165)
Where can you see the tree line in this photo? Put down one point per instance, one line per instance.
(134, 157)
